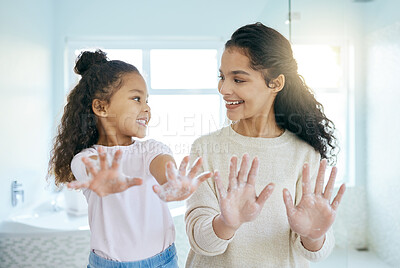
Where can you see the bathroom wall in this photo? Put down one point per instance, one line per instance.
(26, 76)
(383, 87)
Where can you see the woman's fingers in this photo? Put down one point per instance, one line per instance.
(117, 157)
(241, 179)
(232, 174)
(251, 178)
(220, 186)
(331, 183)
(183, 166)
(338, 198)
(319, 184)
(201, 178)
(306, 183)
(265, 194)
(287, 198)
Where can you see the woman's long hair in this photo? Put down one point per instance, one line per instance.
(101, 78)
(295, 107)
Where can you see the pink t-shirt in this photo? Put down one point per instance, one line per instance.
(134, 224)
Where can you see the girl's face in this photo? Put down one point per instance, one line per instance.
(128, 109)
(244, 90)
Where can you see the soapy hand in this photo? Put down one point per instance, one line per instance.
(240, 203)
(108, 179)
(314, 214)
(181, 183)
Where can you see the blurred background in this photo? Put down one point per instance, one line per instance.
(348, 52)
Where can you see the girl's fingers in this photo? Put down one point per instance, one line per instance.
(338, 198)
(265, 194)
(233, 174)
(306, 183)
(78, 185)
(116, 159)
(103, 158)
(287, 198)
(133, 182)
(89, 166)
(220, 186)
(202, 177)
(319, 184)
(331, 184)
(243, 169)
(170, 171)
(251, 178)
(183, 165)
(195, 168)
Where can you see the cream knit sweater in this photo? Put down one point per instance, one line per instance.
(268, 240)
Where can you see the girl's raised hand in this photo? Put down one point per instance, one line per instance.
(180, 183)
(107, 180)
(239, 203)
(314, 215)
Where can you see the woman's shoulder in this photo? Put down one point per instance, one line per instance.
(304, 147)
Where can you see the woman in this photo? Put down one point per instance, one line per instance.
(279, 123)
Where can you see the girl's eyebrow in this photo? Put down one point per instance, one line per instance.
(236, 72)
(136, 90)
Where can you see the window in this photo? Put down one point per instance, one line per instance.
(325, 70)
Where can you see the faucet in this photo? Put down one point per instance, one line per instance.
(16, 191)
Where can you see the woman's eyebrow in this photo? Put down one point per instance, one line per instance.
(136, 90)
(237, 72)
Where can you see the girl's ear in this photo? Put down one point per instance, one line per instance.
(277, 84)
(99, 107)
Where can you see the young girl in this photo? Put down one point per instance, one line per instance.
(130, 226)
(279, 124)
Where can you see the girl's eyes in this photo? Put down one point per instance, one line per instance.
(136, 99)
(221, 77)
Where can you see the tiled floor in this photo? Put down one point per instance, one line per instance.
(351, 259)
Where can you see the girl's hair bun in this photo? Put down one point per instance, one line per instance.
(87, 59)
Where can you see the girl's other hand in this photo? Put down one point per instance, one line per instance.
(180, 183)
(107, 180)
(239, 203)
(314, 214)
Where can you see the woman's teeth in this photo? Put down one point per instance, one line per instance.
(234, 102)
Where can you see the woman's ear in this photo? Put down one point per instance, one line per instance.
(99, 108)
(277, 84)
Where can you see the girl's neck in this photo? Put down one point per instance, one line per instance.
(262, 126)
(115, 140)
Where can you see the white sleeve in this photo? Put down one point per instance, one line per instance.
(152, 148)
(78, 168)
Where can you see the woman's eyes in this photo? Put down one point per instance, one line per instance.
(237, 81)
(136, 99)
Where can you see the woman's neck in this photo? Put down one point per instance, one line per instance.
(262, 126)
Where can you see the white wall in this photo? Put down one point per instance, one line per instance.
(383, 87)
(25, 84)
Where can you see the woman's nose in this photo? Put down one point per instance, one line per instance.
(224, 88)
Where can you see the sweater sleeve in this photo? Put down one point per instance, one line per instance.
(329, 242)
(202, 208)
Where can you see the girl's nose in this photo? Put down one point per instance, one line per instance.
(147, 107)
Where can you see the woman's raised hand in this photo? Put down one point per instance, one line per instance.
(239, 203)
(181, 183)
(107, 180)
(314, 214)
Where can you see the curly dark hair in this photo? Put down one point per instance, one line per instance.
(101, 78)
(295, 106)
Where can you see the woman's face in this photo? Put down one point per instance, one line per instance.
(244, 90)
